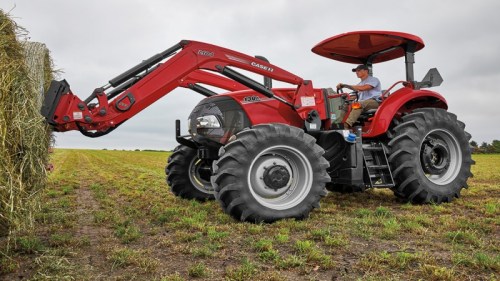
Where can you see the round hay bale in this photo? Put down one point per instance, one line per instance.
(25, 69)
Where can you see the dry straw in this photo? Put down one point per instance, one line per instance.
(25, 71)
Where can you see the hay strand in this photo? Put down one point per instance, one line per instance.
(25, 70)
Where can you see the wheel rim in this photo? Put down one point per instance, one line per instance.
(280, 177)
(199, 175)
(440, 157)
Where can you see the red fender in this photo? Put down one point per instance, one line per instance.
(403, 100)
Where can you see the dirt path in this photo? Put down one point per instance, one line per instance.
(95, 237)
(91, 236)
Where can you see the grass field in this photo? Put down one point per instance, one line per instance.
(108, 215)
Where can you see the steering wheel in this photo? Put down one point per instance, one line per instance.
(341, 91)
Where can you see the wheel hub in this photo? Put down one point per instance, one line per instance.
(205, 171)
(280, 177)
(199, 175)
(276, 177)
(435, 157)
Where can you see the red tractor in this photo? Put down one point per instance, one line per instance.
(271, 153)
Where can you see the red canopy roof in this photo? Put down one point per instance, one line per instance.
(357, 47)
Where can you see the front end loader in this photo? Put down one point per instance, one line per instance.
(271, 153)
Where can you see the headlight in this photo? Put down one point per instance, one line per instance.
(207, 122)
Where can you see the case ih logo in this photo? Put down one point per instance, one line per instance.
(205, 53)
(258, 65)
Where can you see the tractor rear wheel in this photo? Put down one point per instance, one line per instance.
(270, 172)
(430, 156)
(188, 176)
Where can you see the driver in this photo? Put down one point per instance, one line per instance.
(369, 91)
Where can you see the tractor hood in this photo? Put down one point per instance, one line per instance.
(368, 47)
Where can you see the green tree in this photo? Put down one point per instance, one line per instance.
(495, 146)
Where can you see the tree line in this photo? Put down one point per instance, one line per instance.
(494, 147)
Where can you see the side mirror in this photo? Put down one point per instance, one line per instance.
(431, 79)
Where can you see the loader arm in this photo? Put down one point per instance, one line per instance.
(184, 65)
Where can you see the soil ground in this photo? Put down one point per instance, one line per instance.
(109, 215)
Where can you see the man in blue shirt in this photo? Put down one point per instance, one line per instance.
(369, 91)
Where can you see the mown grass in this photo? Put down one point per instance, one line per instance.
(109, 215)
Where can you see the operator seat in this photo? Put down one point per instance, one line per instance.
(367, 115)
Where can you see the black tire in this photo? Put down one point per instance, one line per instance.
(188, 176)
(270, 172)
(430, 156)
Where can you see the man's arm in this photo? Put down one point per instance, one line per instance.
(358, 88)
(361, 87)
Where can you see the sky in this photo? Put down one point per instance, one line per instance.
(93, 41)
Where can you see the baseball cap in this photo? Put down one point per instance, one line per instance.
(359, 67)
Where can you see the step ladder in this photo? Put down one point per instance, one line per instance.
(377, 168)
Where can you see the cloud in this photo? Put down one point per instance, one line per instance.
(93, 41)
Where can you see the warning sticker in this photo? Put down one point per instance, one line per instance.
(77, 115)
(307, 101)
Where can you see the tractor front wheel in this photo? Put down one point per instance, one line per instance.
(430, 156)
(270, 172)
(188, 176)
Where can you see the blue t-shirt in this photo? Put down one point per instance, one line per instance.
(374, 92)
